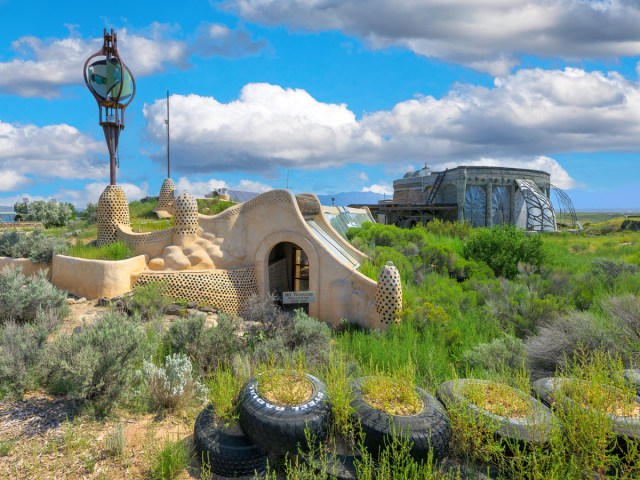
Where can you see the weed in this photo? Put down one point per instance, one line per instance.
(168, 460)
(22, 297)
(115, 441)
(224, 386)
(148, 301)
(5, 447)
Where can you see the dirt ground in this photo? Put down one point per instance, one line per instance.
(42, 438)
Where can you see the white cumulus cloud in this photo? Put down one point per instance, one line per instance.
(489, 35)
(267, 127)
(381, 188)
(54, 151)
(90, 193)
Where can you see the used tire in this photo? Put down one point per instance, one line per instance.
(229, 452)
(281, 429)
(549, 391)
(428, 429)
(534, 428)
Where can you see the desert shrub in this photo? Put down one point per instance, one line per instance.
(21, 297)
(561, 339)
(507, 351)
(36, 246)
(21, 351)
(97, 364)
(51, 213)
(426, 316)
(208, 347)
(172, 384)
(460, 230)
(115, 441)
(90, 213)
(609, 270)
(309, 336)
(148, 301)
(624, 313)
(519, 309)
(184, 333)
(216, 346)
(503, 247)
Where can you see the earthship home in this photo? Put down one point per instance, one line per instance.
(276, 242)
(482, 196)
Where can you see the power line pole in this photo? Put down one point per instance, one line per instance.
(168, 144)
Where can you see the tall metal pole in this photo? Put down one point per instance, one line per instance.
(168, 144)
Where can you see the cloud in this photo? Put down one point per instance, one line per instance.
(526, 115)
(486, 35)
(522, 121)
(363, 176)
(201, 188)
(56, 151)
(266, 128)
(381, 188)
(41, 68)
(90, 193)
(214, 39)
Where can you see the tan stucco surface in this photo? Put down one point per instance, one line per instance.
(95, 278)
(28, 267)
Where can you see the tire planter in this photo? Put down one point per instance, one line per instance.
(534, 428)
(280, 429)
(229, 452)
(428, 429)
(548, 390)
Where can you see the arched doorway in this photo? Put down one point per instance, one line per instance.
(288, 272)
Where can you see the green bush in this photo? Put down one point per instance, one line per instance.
(438, 227)
(507, 351)
(21, 351)
(51, 213)
(148, 301)
(22, 297)
(97, 364)
(35, 246)
(503, 247)
(208, 347)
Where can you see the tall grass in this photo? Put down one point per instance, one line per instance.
(113, 251)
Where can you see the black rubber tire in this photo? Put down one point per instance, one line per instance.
(548, 390)
(229, 454)
(534, 429)
(282, 429)
(429, 429)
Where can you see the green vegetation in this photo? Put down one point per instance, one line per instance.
(113, 251)
(213, 206)
(36, 245)
(492, 304)
(50, 214)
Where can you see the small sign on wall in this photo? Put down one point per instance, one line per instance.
(298, 297)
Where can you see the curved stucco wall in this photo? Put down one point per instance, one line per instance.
(28, 267)
(95, 278)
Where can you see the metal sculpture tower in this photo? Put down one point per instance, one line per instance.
(113, 86)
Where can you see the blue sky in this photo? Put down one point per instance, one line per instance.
(344, 95)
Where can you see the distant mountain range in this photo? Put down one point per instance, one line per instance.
(348, 198)
(6, 208)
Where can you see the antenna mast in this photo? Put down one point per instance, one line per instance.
(168, 144)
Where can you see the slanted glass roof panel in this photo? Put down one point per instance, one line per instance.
(346, 219)
(331, 244)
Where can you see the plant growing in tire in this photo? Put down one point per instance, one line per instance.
(277, 407)
(506, 412)
(386, 407)
(221, 443)
(620, 406)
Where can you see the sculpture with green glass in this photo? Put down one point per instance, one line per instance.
(113, 86)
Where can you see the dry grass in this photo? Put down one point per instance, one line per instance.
(497, 398)
(391, 395)
(285, 388)
(613, 400)
(78, 449)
